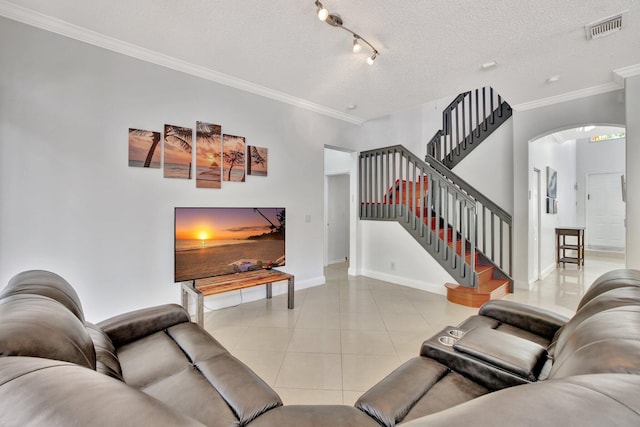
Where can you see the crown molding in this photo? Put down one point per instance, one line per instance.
(621, 74)
(569, 96)
(54, 25)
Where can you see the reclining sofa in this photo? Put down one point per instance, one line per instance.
(511, 364)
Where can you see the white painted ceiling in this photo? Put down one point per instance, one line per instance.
(429, 49)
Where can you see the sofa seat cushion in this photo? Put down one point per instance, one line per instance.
(187, 368)
(418, 387)
(314, 416)
(187, 391)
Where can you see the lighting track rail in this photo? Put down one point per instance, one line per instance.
(336, 21)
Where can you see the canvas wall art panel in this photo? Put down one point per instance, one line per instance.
(208, 155)
(552, 182)
(257, 162)
(233, 158)
(143, 148)
(177, 152)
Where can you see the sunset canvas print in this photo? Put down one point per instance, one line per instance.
(143, 148)
(233, 154)
(257, 164)
(208, 153)
(214, 241)
(177, 152)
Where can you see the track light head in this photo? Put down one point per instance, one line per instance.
(356, 46)
(323, 13)
(372, 58)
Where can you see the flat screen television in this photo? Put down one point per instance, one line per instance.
(212, 241)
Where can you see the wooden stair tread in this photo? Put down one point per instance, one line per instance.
(475, 297)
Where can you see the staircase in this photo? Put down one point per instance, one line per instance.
(469, 235)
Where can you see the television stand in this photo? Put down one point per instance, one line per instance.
(232, 282)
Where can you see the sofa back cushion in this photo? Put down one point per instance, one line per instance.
(612, 298)
(610, 280)
(48, 284)
(38, 326)
(606, 342)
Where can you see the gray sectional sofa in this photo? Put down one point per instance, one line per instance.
(511, 364)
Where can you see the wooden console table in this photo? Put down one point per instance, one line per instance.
(576, 247)
(232, 282)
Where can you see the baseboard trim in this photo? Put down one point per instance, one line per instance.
(436, 288)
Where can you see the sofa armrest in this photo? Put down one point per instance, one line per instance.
(533, 319)
(128, 327)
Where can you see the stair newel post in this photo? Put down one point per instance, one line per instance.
(370, 186)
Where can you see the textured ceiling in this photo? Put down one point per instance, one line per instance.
(428, 49)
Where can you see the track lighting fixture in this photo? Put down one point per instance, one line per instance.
(336, 21)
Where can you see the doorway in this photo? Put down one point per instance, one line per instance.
(337, 218)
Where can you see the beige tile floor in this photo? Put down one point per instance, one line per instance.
(346, 335)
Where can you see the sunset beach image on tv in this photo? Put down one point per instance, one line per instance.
(212, 241)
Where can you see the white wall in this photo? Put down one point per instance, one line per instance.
(70, 203)
(490, 167)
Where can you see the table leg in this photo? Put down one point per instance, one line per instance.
(290, 292)
(269, 290)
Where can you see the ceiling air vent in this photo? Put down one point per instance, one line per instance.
(604, 27)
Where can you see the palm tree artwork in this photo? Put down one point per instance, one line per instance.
(142, 148)
(257, 164)
(177, 152)
(208, 154)
(233, 155)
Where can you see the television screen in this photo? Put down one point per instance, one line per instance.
(215, 241)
